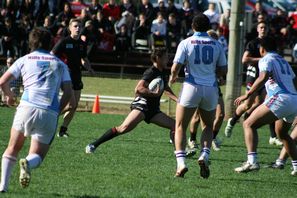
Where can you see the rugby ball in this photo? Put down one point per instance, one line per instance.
(155, 82)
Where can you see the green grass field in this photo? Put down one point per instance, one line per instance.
(142, 164)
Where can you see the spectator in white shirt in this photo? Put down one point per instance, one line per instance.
(158, 30)
(212, 14)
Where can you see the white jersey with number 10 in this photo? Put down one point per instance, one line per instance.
(201, 55)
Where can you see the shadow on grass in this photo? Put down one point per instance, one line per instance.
(260, 181)
(233, 146)
(74, 196)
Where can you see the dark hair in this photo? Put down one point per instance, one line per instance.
(268, 43)
(261, 22)
(158, 52)
(200, 23)
(40, 38)
(172, 15)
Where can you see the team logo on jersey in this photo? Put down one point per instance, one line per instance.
(69, 46)
(43, 64)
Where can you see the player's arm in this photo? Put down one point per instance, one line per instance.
(178, 61)
(221, 64)
(4, 85)
(86, 64)
(168, 91)
(221, 71)
(174, 72)
(58, 48)
(259, 83)
(143, 90)
(248, 59)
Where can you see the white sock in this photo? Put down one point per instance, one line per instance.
(34, 160)
(205, 152)
(7, 165)
(252, 157)
(180, 158)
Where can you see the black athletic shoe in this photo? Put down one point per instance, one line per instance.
(62, 132)
(204, 167)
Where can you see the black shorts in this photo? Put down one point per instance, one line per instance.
(77, 83)
(140, 104)
(220, 92)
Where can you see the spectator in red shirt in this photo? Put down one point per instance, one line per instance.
(111, 11)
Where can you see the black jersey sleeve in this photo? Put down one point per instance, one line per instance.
(253, 48)
(250, 47)
(59, 48)
(148, 75)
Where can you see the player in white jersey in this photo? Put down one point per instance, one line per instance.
(43, 75)
(280, 104)
(204, 60)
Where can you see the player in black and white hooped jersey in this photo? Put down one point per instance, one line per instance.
(146, 105)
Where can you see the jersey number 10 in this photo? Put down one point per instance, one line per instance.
(203, 54)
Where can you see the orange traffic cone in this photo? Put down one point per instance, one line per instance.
(96, 106)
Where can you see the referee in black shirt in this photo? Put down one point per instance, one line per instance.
(73, 51)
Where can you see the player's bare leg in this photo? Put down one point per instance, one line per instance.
(131, 121)
(183, 117)
(207, 118)
(163, 120)
(240, 110)
(283, 155)
(259, 117)
(69, 114)
(219, 118)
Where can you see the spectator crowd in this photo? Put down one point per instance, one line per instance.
(125, 26)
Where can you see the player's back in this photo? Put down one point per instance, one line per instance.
(281, 80)
(202, 55)
(42, 74)
(42, 71)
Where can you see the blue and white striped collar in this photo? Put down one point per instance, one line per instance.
(41, 50)
(200, 34)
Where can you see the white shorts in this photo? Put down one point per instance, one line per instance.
(204, 97)
(38, 123)
(283, 106)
